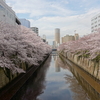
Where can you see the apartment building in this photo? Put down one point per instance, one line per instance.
(25, 22)
(7, 15)
(35, 29)
(70, 38)
(95, 23)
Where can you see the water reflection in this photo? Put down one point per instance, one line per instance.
(57, 67)
(57, 79)
(34, 86)
(54, 57)
(78, 85)
(62, 62)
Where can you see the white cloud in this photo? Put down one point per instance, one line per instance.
(80, 23)
(40, 7)
(50, 14)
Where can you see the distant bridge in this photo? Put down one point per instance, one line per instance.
(54, 49)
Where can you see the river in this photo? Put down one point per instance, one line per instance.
(56, 80)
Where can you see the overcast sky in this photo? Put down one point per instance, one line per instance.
(68, 15)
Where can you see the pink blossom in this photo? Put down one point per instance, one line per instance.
(89, 44)
(22, 44)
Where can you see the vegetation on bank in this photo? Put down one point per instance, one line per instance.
(20, 44)
(87, 46)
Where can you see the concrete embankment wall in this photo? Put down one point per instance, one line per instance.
(91, 67)
(88, 83)
(11, 86)
(7, 76)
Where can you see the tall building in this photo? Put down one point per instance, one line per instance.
(76, 36)
(7, 15)
(35, 29)
(95, 23)
(54, 46)
(44, 38)
(57, 35)
(25, 22)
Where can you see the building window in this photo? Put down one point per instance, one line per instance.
(95, 18)
(1, 7)
(7, 13)
(91, 23)
(99, 16)
(95, 25)
(92, 27)
(96, 22)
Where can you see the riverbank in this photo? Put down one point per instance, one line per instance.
(91, 67)
(54, 80)
(84, 75)
(10, 89)
(20, 48)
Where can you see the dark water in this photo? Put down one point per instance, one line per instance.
(56, 80)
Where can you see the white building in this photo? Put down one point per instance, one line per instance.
(54, 46)
(7, 15)
(95, 23)
(76, 36)
(25, 22)
(44, 38)
(57, 35)
(35, 29)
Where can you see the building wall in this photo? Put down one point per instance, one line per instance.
(57, 35)
(95, 23)
(54, 46)
(25, 22)
(7, 14)
(4, 0)
(35, 29)
(76, 36)
(68, 38)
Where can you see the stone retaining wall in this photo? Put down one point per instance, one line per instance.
(7, 76)
(89, 66)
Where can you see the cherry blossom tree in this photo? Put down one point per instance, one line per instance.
(87, 46)
(18, 43)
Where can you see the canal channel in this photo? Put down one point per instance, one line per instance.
(57, 79)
